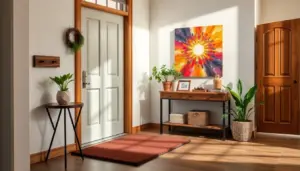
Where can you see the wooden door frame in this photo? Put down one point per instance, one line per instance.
(257, 79)
(79, 4)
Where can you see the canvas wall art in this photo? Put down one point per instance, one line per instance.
(199, 51)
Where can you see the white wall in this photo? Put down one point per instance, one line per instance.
(141, 59)
(48, 21)
(237, 18)
(278, 10)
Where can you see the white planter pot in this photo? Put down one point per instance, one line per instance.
(241, 131)
(63, 97)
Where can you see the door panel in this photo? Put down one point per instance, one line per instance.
(277, 76)
(269, 111)
(102, 59)
(112, 50)
(285, 102)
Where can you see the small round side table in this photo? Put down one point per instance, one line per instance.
(64, 108)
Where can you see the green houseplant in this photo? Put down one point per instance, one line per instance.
(165, 75)
(63, 95)
(242, 126)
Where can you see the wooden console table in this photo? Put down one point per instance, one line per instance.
(195, 96)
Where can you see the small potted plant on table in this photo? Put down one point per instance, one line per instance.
(242, 126)
(165, 75)
(63, 96)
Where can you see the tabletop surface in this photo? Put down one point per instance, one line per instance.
(70, 105)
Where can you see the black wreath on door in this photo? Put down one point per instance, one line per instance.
(78, 40)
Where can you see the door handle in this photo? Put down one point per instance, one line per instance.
(85, 79)
(295, 81)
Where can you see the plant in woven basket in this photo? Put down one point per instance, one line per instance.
(242, 126)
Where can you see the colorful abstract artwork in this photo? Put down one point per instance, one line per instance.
(199, 51)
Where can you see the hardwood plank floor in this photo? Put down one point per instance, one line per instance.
(265, 153)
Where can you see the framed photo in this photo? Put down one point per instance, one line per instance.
(184, 85)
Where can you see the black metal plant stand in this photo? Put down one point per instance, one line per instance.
(64, 108)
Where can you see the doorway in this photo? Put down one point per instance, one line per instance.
(277, 76)
(102, 75)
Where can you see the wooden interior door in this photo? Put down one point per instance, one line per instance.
(277, 76)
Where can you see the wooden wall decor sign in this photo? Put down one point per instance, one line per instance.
(46, 61)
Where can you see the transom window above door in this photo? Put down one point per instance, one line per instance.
(115, 4)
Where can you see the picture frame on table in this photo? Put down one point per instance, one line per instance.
(184, 85)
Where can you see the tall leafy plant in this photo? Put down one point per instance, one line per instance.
(63, 81)
(241, 113)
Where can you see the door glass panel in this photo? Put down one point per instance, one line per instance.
(115, 4)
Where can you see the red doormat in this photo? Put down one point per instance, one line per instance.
(134, 149)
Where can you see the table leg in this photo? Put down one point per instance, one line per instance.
(52, 124)
(65, 132)
(55, 128)
(76, 136)
(169, 112)
(224, 125)
(161, 117)
(77, 119)
(229, 116)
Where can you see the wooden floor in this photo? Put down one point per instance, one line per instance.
(265, 153)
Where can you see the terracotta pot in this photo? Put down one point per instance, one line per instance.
(242, 131)
(63, 97)
(167, 86)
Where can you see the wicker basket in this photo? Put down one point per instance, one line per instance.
(198, 117)
(179, 118)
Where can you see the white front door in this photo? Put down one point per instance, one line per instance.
(102, 65)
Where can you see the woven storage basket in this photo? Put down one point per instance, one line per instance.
(179, 118)
(198, 117)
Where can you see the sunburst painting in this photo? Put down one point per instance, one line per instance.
(199, 51)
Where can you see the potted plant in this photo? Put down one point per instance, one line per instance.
(164, 75)
(242, 126)
(63, 96)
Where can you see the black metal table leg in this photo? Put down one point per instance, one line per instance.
(76, 136)
(161, 117)
(65, 132)
(229, 116)
(54, 128)
(169, 112)
(48, 112)
(224, 125)
(77, 119)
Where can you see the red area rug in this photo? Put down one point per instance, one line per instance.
(134, 150)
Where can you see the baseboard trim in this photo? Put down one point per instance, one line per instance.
(140, 128)
(56, 152)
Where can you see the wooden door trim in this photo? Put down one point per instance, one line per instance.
(79, 4)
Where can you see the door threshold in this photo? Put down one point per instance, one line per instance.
(85, 145)
(288, 136)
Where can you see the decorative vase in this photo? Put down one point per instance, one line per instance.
(63, 97)
(241, 131)
(167, 85)
(174, 86)
(217, 83)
